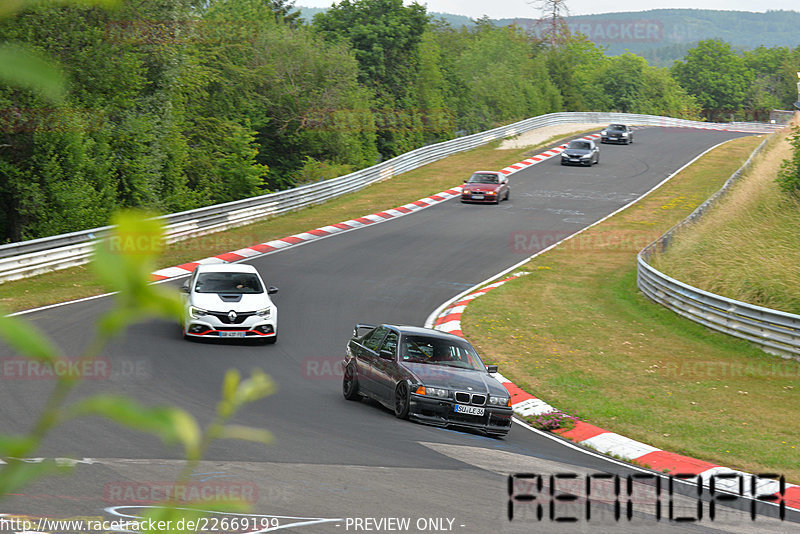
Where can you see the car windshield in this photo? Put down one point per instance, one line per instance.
(617, 127)
(438, 351)
(581, 145)
(228, 283)
(479, 178)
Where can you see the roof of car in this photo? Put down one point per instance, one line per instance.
(487, 172)
(226, 268)
(416, 330)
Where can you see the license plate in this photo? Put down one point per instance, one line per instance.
(470, 410)
(477, 197)
(614, 138)
(231, 334)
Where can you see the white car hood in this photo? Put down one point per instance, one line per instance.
(212, 302)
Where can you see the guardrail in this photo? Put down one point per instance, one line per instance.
(27, 258)
(774, 331)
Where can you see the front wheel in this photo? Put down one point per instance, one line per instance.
(508, 194)
(401, 398)
(350, 383)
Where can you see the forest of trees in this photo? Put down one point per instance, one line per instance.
(181, 104)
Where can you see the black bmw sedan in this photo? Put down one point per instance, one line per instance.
(427, 376)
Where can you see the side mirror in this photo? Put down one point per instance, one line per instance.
(387, 355)
(491, 368)
(184, 289)
(271, 290)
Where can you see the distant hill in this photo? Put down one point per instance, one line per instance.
(664, 35)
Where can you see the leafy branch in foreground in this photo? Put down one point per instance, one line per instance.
(123, 262)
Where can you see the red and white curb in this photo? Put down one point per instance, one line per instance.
(312, 235)
(525, 404)
(353, 224)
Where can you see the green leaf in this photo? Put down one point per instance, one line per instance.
(26, 68)
(16, 446)
(18, 473)
(123, 263)
(27, 339)
(171, 424)
(245, 433)
(258, 386)
(225, 408)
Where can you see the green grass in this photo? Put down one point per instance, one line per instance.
(577, 333)
(748, 246)
(79, 282)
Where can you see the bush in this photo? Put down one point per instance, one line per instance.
(789, 176)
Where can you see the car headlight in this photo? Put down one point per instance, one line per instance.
(624, 134)
(500, 401)
(604, 132)
(491, 192)
(266, 312)
(586, 156)
(197, 312)
(433, 392)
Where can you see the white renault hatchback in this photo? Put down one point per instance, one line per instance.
(228, 301)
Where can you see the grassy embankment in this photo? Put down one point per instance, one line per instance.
(749, 248)
(79, 282)
(578, 334)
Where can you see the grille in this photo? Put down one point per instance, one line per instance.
(463, 397)
(240, 317)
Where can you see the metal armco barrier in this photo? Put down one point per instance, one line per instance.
(774, 331)
(27, 258)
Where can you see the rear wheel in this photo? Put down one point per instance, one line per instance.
(350, 383)
(401, 398)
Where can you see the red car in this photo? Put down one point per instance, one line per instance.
(486, 186)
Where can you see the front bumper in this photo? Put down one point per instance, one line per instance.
(496, 420)
(479, 197)
(253, 328)
(579, 161)
(614, 139)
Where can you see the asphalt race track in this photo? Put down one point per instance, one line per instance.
(334, 459)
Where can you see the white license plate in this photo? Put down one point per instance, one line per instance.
(477, 197)
(614, 138)
(470, 410)
(231, 334)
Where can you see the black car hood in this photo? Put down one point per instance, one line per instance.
(453, 378)
(577, 152)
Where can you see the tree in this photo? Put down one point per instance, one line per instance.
(716, 76)
(283, 12)
(571, 66)
(385, 37)
(554, 27)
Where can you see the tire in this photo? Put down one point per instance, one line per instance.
(350, 383)
(401, 398)
(508, 194)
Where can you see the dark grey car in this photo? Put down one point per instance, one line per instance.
(427, 376)
(581, 152)
(617, 133)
